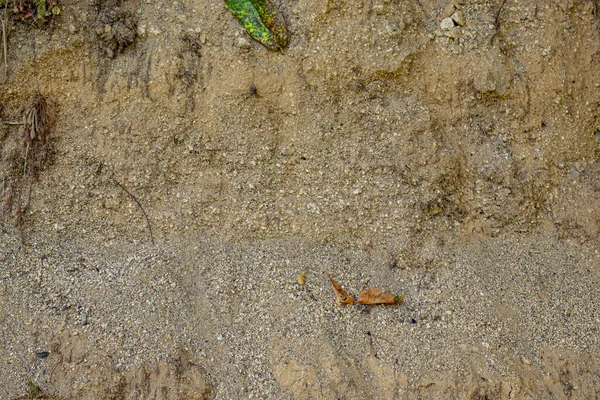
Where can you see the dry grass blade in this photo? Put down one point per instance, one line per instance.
(4, 21)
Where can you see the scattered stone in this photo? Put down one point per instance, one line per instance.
(459, 18)
(574, 173)
(448, 11)
(454, 33)
(447, 24)
(72, 29)
(242, 43)
(141, 30)
(379, 9)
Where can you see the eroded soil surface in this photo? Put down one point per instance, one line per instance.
(445, 150)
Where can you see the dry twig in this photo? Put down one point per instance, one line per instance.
(4, 21)
(497, 21)
(139, 205)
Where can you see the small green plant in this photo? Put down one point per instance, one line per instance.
(35, 392)
(32, 10)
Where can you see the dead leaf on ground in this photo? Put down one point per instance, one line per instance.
(302, 278)
(376, 296)
(340, 294)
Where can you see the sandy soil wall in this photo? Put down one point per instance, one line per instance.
(445, 149)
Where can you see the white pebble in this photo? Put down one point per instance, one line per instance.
(447, 24)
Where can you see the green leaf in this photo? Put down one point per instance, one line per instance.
(261, 20)
(41, 8)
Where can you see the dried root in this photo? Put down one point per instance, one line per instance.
(25, 166)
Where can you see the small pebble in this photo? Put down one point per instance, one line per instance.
(242, 43)
(448, 11)
(574, 173)
(459, 18)
(447, 24)
(454, 33)
(379, 9)
(141, 30)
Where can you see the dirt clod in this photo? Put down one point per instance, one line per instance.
(116, 26)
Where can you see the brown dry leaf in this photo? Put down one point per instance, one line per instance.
(340, 294)
(375, 296)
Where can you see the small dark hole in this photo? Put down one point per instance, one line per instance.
(252, 91)
(42, 354)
